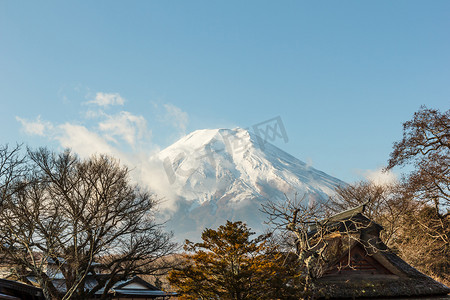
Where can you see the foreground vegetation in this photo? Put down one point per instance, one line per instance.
(82, 217)
(86, 217)
(229, 264)
(414, 213)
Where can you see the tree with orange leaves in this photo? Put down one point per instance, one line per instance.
(426, 146)
(228, 264)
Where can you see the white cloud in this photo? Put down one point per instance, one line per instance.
(146, 171)
(37, 127)
(77, 137)
(100, 132)
(93, 114)
(125, 125)
(176, 117)
(381, 177)
(150, 172)
(82, 141)
(309, 162)
(106, 99)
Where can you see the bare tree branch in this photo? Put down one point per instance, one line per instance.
(82, 216)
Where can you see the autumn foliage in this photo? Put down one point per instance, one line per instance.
(414, 212)
(229, 264)
(425, 238)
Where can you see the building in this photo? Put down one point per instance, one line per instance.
(13, 290)
(359, 264)
(137, 288)
(133, 288)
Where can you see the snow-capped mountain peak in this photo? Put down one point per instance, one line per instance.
(225, 174)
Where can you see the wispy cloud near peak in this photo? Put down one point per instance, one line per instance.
(122, 134)
(380, 176)
(125, 125)
(107, 99)
(36, 127)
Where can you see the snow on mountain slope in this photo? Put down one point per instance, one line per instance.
(222, 174)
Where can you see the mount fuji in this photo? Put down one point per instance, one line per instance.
(216, 175)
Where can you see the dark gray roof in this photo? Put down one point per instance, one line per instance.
(8, 297)
(351, 220)
(140, 292)
(135, 279)
(118, 288)
(405, 280)
(379, 287)
(151, 290)
(22, 287)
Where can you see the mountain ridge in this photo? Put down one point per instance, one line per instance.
(226, 174)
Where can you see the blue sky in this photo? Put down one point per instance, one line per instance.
(133, 76)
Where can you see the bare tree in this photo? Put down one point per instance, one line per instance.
(12, 167)
(12, 170)
(82, 216)
(319, 236)
(426, 146)
(387, 204)
(298, 218)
